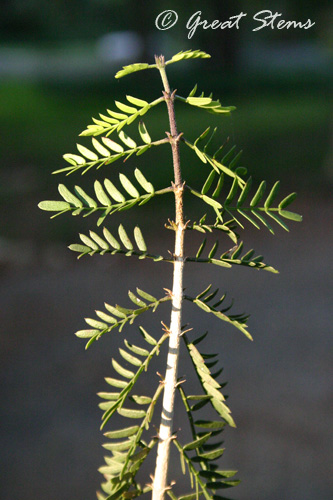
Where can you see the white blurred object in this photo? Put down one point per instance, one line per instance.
(119, 46)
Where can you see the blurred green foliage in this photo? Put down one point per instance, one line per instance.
(285, 131)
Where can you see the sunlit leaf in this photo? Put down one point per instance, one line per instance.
(144, 133)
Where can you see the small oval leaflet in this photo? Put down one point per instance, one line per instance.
(108, 236)
(122, 433)
(136, 101)
(127, 140)
(101, 149)
(113, 191)
(89, 242)
(124, 238)
(139, 240)
(147, 186)
(128, 186)
(127, 109)
(101, 194)
(68, 196)
(87, 153)
(114, 146)
(144, 133)
(53, 206)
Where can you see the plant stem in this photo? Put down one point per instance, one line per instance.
(170, 381)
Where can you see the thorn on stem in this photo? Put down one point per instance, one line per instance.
(185, 331)
(161, 377)
(165, 328)
(168, 292)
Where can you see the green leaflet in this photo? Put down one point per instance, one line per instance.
(125, 108)
(86, 334)
(202, 136)
(232, 192)
(127, 140)
(136, 300)
(139, 351)
(108, 236)
(124, 238)
(118, 447)
(141, 400)
(245, 192)
(74, 159)
(272, 195)
(147, 186)
(87, 153)
(88, 241)
(213, 455)
(137, 102)
(121, 370)
(85, 198)
(193, 91)
(106, 317)
(198, 101)
(210, 424)
(128, 413)
(147, 337)
(130, 358)
(259, 194)
(128, 186)
(144, 133)
(200, 154)
(287, 201)
(139, 239)
(217, 473)
(113, 191)
(68, 196)
(201, 248)
(115, 383)
(197, 443)
(213, 250)
(132, 68)
(210, 201)
(290, 215)
(122, 433)
(101, 149)
(53, 206)
(188, 54)
(111, 396)
(101, 194)
(146, 295)
(208, 182)
(114, 146)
